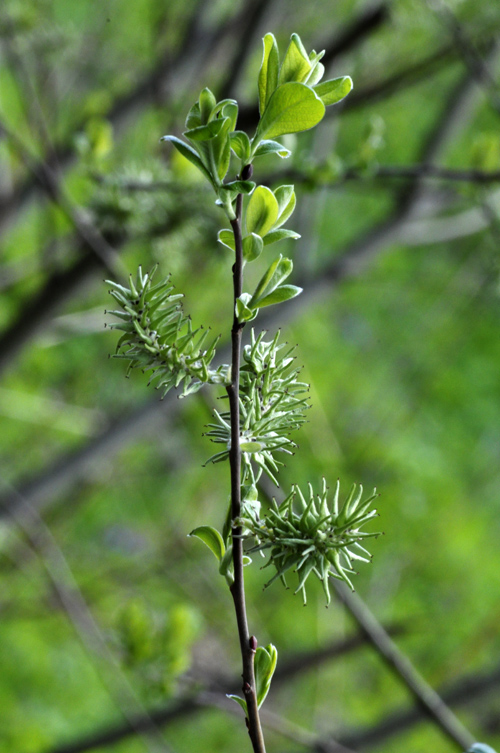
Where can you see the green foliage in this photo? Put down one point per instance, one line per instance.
(291, 100)
(264, 665)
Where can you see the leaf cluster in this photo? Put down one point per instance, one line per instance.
(291, 100)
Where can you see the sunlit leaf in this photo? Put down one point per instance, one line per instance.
(189, 153)
(264, 664)
(335, 90)
(252, 247)
(292, 108)
(262, 211)
(296, 64)
(212, 538)
(269, 69)
(279, 295)
(272, 147)
(278, 235)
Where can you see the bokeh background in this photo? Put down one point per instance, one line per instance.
(116, 633)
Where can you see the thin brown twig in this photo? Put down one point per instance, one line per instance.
(237, 588)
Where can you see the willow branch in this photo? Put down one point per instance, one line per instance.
(238, 587)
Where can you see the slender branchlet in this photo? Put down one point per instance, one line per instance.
(266, 401)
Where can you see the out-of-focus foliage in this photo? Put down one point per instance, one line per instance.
(107, 609)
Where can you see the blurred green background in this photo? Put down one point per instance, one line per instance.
(109, 614)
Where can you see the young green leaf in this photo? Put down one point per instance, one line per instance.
(279, 295)
(264, 665)
(189, 153)
(278, 235)
(272, 147)
(296, 65)
(243, 312)
(239, 186)
(316, 73)
(292, 108)
(221, 148)
(252, 247)
(230, 110)
(240, 144)
(193, 119)
(275, 274)
(239, 700)
(212, 538)
(221, 106)
(226, 238)
(285, 196)
(262, 211)
(268, 74)
(204, 132)
(207, 102)
(335, 90)
(226, 565)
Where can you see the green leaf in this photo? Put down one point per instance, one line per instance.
(277, 272)
(239, 186)
(279, 295)
(226, 238)
(316, 73)
(221, 148)
(285, 196)
(226, 565)
(243, 312)
(268, 74)
(207, 102)
(230, 110)
(212, 538)
(220, 106)
(239, 700)
(292, 108)
(334, 90)
(262, 211)
(193, 119)
(204, 132)
(296, 65)
(278, 235)
(272, 147)
(240, 144)
(252, 247)
(264, 665)
(189, 153)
